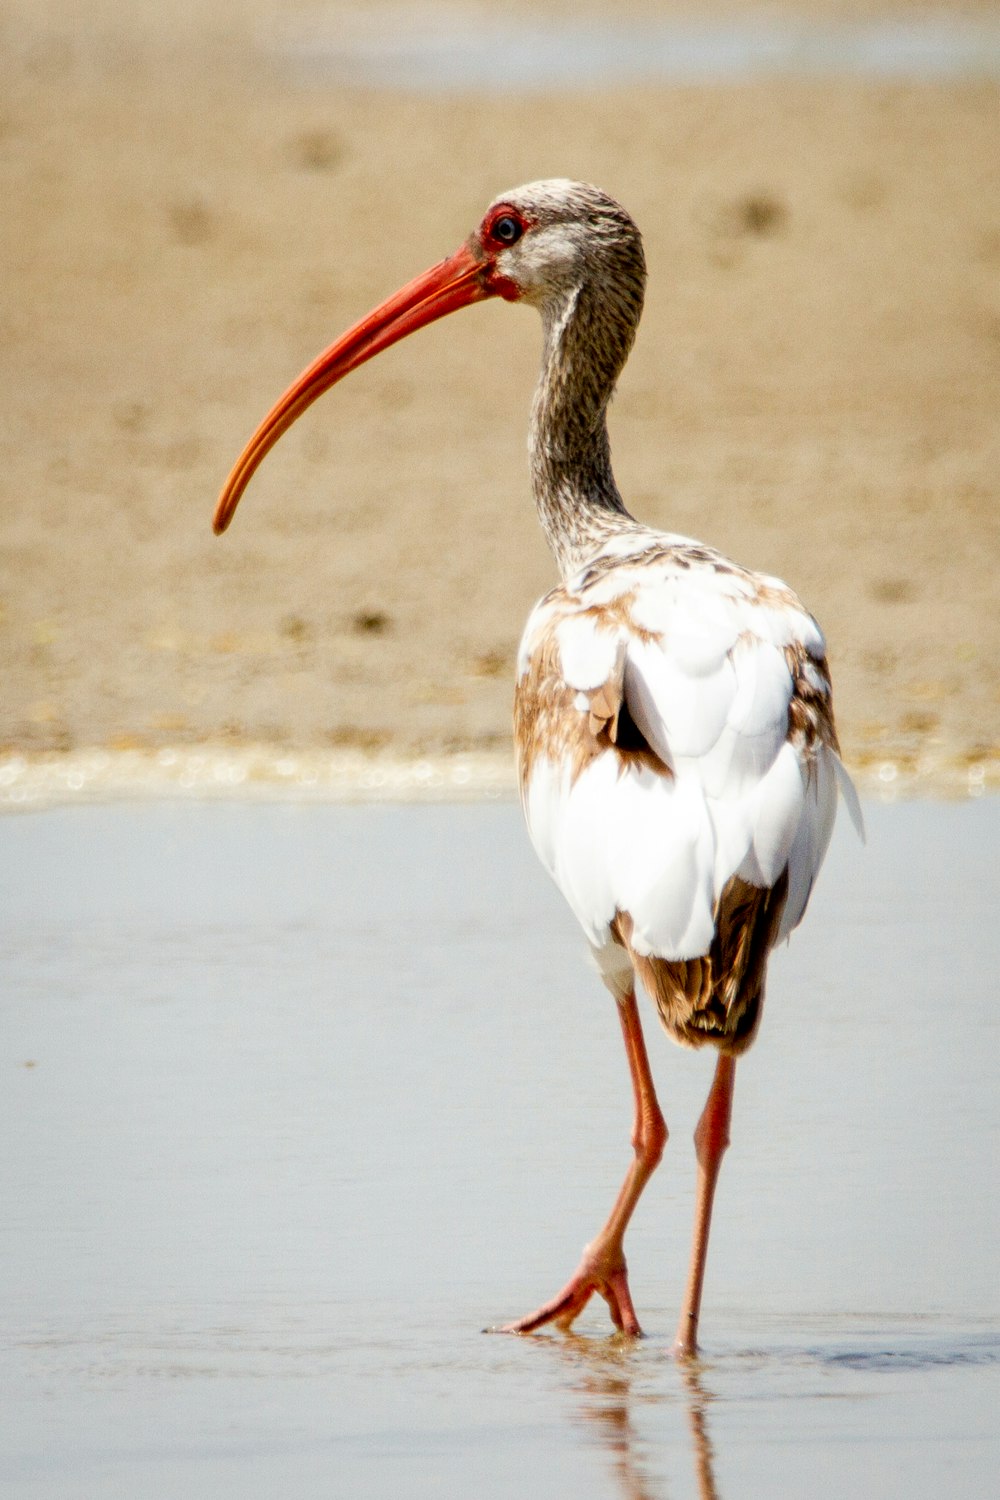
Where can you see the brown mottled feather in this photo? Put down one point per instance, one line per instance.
(810, 712)
(547, 722)
(718, 998)
(615, 613)
(548, 718)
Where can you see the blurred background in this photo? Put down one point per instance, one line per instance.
(198, 195)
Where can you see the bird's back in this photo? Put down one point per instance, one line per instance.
(679, 769)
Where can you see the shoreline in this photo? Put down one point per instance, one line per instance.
(266, 773)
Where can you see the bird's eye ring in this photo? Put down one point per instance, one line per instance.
(507, 229)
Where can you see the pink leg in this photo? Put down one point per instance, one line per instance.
(711, 1137)
(603, 1268)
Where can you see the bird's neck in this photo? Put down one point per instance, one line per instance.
(578, 502)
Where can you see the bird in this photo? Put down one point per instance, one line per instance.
(675, 745)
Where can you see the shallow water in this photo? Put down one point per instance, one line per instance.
(438, 53)
(298, 1098)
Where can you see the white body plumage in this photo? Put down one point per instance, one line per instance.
(734, 770)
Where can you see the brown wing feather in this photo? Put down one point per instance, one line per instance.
(549, 720)
(717, 998)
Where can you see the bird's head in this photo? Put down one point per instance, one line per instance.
(538, 244)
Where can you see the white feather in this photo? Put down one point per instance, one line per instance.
(707, 684)
(680, 715)
(587, 655)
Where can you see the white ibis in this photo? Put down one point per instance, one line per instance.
(676, 749)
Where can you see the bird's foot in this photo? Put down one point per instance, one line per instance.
(602, 1270)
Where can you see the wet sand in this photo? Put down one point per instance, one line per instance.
(297, 1099)
(188, 218)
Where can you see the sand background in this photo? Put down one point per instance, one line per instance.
(187, 220)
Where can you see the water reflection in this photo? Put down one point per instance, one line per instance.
(609, 1377)
(701, 1443)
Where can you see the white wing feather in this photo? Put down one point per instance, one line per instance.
(707, 683)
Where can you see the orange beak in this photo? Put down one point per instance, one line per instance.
(453, 283)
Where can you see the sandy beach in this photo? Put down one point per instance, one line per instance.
(188, 218)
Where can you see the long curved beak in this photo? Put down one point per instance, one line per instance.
(451, 284)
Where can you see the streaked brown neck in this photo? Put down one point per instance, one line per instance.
(587, 338)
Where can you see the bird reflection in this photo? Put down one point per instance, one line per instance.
(701, 1443)
(609, 1378)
